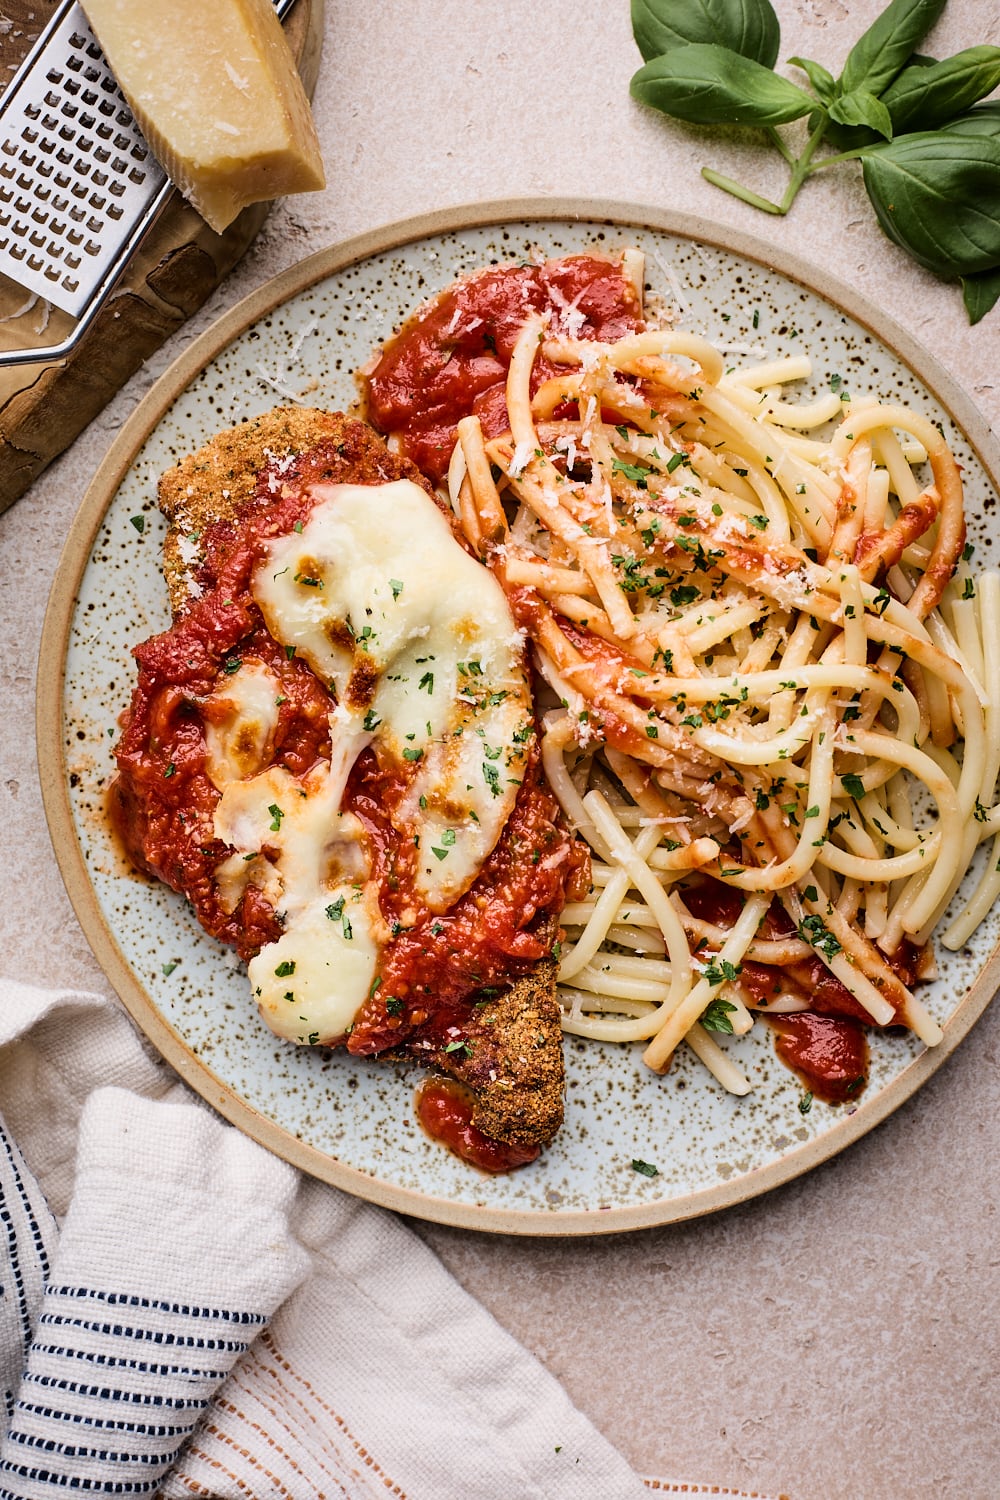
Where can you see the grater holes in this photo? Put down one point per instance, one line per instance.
(99, 179)
(118, 166)
(54, 76)
(115, 211)
(104, 131)
(74, 63)
(89, 98)
(92, 247)
(71, 86)
(52, 100)
(122, 143)
(32, 111)
(95, 225)
(92, 75)
(9, 148)
(107, 107)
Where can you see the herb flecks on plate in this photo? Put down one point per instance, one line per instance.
(929, 149)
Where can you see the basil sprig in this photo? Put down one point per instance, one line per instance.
(929, 149)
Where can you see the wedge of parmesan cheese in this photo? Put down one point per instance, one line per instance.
(214, 89)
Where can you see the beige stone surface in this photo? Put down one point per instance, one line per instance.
(841, 1336)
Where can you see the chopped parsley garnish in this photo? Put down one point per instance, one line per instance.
(715, 1016)
(644, 1168)
(815, 931)
(286, 967)
(276, 816)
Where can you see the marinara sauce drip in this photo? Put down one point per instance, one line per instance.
(825, 1045)
(452, 358)
(444, 1109)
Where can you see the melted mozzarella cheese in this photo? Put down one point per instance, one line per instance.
(240, 720)
(417, 642)
(420, 647)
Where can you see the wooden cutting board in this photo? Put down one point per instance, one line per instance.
(43, 407)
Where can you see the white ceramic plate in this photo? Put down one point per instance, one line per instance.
(301, 337)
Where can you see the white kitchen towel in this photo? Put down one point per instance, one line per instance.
(184, 1315)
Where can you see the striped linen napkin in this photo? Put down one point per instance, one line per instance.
(182, 1314)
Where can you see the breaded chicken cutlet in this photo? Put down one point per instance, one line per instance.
(482, 1010)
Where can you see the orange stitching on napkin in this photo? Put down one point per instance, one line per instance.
(254, 1463)
(362, 1452)
(288, 1399)
(213, 1463)
(279, 1419)
(192, 1484)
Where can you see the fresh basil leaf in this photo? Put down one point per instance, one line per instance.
(923, 98)
(938, 196)
(984, 120)
(885, 47)
(862, 108)
(709, 85)
(979, 293)
(823, 81)
(749, 27)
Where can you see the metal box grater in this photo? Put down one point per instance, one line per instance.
(79, 186)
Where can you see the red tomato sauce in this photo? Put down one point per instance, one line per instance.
(444, 1109)
(451, 359)
(829, 1053)
(163, 804)
(825, 1045)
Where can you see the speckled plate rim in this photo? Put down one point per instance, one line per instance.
(51, 684)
